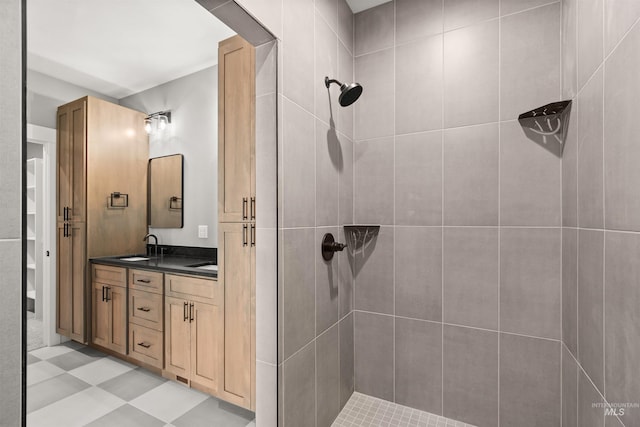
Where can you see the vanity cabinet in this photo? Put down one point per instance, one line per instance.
(146, 317)
(110, 307)
(194, 328)
(102, 154)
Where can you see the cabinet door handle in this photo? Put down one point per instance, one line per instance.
(143, 280)
(144, 344)
(190, 312)
(184, 312)
(253, 234)
(145, 309)
(253, 208)
(65, 213)
(244, 208)
(103, 297)
(244, 234)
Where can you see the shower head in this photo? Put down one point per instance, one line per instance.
(349, 93)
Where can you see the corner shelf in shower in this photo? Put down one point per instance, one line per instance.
(360, 236)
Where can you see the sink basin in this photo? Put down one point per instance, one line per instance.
(205, 266)
(135, 258)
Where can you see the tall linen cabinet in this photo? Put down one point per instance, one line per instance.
(102, 155)
(236, 216)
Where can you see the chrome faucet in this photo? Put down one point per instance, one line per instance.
(155, 245)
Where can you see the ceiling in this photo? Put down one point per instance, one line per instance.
(121, 47)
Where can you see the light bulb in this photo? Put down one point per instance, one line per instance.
(147, 125)
(162, 122)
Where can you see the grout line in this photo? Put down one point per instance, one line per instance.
(393, 244)
(442, 200)
(499, 198)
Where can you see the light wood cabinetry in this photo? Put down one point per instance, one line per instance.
(146, 317)
(109, 307)
(236, 130)
(102, 148)
(194, 319)
(237, 214)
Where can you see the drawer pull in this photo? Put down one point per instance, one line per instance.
(184, 312)
(145, 309)
(144, 344)
(143, 280)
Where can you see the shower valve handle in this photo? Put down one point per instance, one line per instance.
(329, 246)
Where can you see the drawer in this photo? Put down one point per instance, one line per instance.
(146, 345)
(146, 309)
(109, 275)
(144, 280)
(190, 287)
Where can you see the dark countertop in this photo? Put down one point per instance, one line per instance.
(167, 263)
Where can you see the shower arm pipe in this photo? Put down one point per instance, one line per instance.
(328, 81)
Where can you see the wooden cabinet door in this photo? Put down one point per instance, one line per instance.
(100, 316)
(177, 337)
(71, 159)
(71, 294)
(117, 297)
(235, 272)
(206, 344)
(236, 129)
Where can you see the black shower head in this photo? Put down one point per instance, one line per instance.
(349, 93)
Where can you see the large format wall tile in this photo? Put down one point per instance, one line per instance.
(346, 180)
(590, 183)
(344, 115)
(470, 375)
(529, 60)
(345, 24)
(570, 289)
(374, 29)
(374, 274)
(570, 171)
(622, 152)
(619, 16)
(326, 65)
(471, 277)
(418, 272)
(507, 7)
(530, 263)
(329, 164)
(569, 389)
(461, 13)
(622, 321)
(373, 338)
(328, 9)
(569, 57)
(299, 388)
(589, 413)
(530, 190)
(346, 273)
(471, 75)
(590, 304)
(298, 257)
(373, 186)
(347, 378)
(417, 18)
(419, 85)
(418, 179)
(297, 44)
(471, 175)
(590, 44)
(299, 192)
(328, 377)
(529, 382)
(418, 364)
(375, 108)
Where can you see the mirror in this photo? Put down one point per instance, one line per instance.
(165, 192)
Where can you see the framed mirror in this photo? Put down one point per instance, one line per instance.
(165, 192)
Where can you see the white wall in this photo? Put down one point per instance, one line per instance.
(194, 133)
(46, 93)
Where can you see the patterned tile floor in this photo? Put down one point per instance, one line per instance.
(73, 385)
(363, 410)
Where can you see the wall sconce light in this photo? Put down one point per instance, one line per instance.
(162, 118)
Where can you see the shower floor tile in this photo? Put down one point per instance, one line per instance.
(367, 411)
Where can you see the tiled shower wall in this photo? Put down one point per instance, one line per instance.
(458, 305)
(601, 213)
